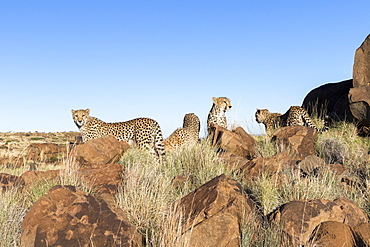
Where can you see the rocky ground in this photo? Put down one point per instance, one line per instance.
(15, 147)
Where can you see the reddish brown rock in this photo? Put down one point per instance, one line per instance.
(237, 142)
(267, 166)
(332, 234)
(8, 181)
(105, 179)
(99, 152)
(362, 233)
(35, 177)
(310, 165)
(212, 214)
(297, 141)
(298, 219)
(67, 216)
(45, 152)
(361, 66)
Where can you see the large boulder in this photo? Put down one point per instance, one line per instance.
(298, 141)
(361, 66)
(212, 214)
(298, 219)
(330, 99)
(67, 216)
(99, 152)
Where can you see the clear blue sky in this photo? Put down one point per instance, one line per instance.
(163, 59)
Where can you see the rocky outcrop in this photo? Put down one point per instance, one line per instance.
(67, 216)
(361, 66)
(330, 99)
(212, 214)
(298, 219)
(99, 152)
(347, 100)
(298, 141)
(237, 142)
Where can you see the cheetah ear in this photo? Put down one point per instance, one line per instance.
(73, 111)
(88, 111)
(214, 99)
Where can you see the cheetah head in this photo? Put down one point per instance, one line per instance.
(222, 103)
(80, 117)
(261, 115)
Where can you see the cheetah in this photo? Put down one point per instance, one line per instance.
(188, 134)
(295, 116)
(143, 132)
(217, 112)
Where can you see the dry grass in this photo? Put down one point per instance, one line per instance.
(149, 192)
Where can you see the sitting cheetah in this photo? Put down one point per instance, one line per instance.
(295, 116)
(217, 112)
(143, 132)
(188, 134)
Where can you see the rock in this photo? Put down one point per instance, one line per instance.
(67, 216)
(212, 214)
(99, 152)
(361, 66)
(267, 166)
(330, 99)
(105, 179)
(237, 142)
(297, 141)
(12, 162)
(34, 177)
(298, 219)
(8, 181)
(45, 152)
(332, 234)
(359, 104)
(311, 165)
(362, 234)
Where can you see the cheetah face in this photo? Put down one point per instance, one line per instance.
(261, 115)
(222, 103)
(80, 117)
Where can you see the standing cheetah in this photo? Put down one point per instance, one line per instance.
(143, 132)
(188, 134)
(295, 116)
(217, 112)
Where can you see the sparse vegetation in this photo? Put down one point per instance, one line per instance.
(148, 191)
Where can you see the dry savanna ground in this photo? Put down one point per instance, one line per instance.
(146, 201)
